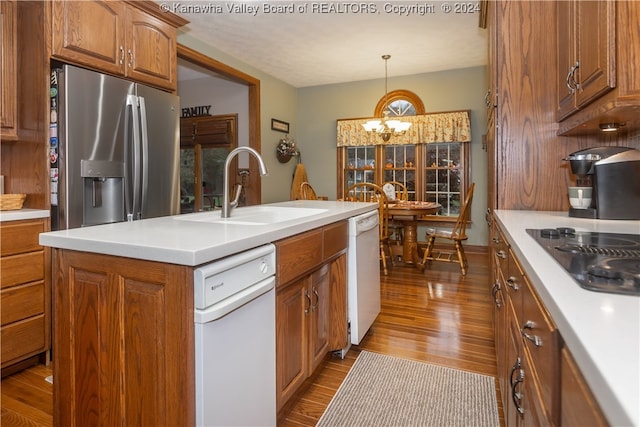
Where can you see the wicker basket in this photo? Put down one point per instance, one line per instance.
(9, 202)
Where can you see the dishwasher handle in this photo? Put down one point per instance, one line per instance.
(235, 301)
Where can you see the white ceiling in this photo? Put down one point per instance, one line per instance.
(317, 48)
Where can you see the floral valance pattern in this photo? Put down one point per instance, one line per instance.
(438, 127)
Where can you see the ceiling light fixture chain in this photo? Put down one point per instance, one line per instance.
(386, 128)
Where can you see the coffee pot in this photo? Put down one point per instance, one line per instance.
(613, 174)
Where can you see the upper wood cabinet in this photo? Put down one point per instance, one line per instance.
(586, 53)
(220, 129)
(597, 53)
(117, 38)
(8, 77)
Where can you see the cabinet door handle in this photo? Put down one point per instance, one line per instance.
(487, 99)
(515, 367)
(130, 57)
(308, 306)
(494, 292)
(512, 282)
(571, 82)
(515, 395)
(121, 55)
(315, 306)
(501, 254)
(536, 340)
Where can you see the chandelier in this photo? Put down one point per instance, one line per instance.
(386, 127)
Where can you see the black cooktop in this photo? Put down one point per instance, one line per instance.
(602, 262)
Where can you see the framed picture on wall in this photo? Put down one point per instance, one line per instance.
(279, 125)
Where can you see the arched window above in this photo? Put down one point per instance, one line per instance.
(399, 103)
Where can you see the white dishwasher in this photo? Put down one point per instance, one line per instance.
(363, 273)
(235, 340)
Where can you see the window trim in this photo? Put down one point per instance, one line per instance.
(419, 168)
(399, 95)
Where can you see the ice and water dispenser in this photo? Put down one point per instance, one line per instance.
(103, 191)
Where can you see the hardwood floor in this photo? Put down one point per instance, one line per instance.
(438, 316)
(26, 398)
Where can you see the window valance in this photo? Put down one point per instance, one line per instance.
(453, 126)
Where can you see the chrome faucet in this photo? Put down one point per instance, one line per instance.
(226, 204)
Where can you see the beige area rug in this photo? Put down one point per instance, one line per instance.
(382, 390)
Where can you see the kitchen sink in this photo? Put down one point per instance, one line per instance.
(252, 215)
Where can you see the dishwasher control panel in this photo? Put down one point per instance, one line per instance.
(223, 278)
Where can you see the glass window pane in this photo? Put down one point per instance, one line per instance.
(360, 165)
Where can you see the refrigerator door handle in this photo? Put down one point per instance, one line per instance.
(145, 154)
(128, 196)
(133, 149)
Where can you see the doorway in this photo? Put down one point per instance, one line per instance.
(205, 143)
(251, 181)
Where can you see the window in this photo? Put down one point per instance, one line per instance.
(435, 172)
(399, 165)
(432, 171)
(445, 175)
(399, 103)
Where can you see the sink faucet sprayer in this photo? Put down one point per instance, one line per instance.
(226, 205)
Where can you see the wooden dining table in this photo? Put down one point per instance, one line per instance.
(409, 213)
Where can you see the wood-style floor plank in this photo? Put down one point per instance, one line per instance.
(437, 317)
(26, 398)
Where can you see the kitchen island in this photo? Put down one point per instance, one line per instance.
(601, 330)
(124, 304)
(179, 240)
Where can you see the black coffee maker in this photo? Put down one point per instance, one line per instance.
(614, 175)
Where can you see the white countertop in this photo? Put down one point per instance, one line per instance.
(20, 214)
(173, 240)
(601, 330)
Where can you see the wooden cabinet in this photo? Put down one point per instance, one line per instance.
(521, 123)
(525, 341)
(9, 75)
(578, 406)
(586, 53)
(220, 129)
(25, 292)
(540, 382)
(499, 252)
(133, 40)
(124, 338)
(311, 306)
(597, 80)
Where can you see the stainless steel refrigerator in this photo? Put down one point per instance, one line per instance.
(118, 150)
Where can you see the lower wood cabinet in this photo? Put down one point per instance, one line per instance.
(540, 383)
(311, 304)
(25, 292)
(578, 406)
(124, 337)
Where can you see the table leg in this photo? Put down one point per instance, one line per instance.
(410, 248)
